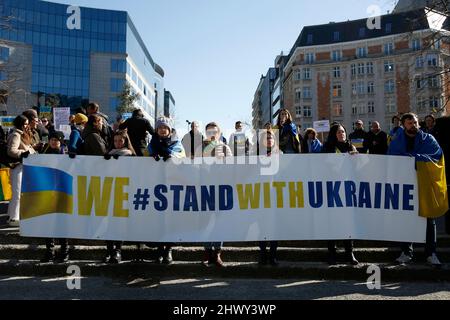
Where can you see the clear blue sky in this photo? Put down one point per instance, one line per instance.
(214, 51)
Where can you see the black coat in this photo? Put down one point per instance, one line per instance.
(376, 143)
(137, 131)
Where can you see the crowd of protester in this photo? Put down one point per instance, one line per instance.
(92, 135)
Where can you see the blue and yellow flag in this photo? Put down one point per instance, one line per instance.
(45, 191)
(430, 164)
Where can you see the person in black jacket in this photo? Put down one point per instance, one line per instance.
(358, 137)
(138, 127)
(377, 140)
(338, 143)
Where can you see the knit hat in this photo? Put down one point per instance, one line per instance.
(80, 118)
(57, 135)
(164, 122)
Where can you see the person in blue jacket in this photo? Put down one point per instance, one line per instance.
(310, 143)
(413, 142)
(76, 141)
(162, 146)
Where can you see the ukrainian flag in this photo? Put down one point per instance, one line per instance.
(45, 191)
(430, 165)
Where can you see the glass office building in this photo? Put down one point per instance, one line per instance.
(47, 59)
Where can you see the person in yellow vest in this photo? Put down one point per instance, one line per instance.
(433, 199)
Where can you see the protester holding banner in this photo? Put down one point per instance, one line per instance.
(214, 147)
(192, 141)
(164, 147)
(106, 132)
(76, 141)
(310, 143)
(270, 148)
(94, 143)
(19, 147)
(288, 137)
(396, 126)
(55, 146)
(239, 141)
(338, 143)
(122, 148)
(430, 165)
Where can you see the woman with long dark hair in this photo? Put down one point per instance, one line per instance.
(288, 137)
(338, 143)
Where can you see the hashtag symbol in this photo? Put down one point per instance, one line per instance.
(141, 199)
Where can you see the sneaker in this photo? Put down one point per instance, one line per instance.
(13, 223)
(404, 259)
(433, 260)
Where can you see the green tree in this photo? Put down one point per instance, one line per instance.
(127, 98)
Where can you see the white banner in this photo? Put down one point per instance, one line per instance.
(307, 197)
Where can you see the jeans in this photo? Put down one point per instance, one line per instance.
(431, 242)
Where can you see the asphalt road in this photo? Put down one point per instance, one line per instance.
(215, 289)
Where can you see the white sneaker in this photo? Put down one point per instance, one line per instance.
(404, 259)
(13, 223)
(433, 260)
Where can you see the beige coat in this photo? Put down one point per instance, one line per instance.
(16, 146)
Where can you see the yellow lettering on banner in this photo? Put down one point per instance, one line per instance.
(279, 186)
(267, 200)
(249, 195)
(94, 195)
(296, 197)
(120, 197)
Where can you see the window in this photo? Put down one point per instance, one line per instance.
(436, 44)
(388, 66)
(416, 45)
(420, 62)
(4, 53)
(3, 76)
(420, 83)
(298, 95)
(117, 85)
(435, 103)
(354, 90)
(362, 52)
(307, 74)
(433, 60)
(388, 27)
(337, 72)
(353, 69)
(362, 108)
(298, 75)
(119, 66)
(362, 32)
(354, 109)
(307, 111)
(307, 93)
(371, 107)
(336, 36)
(298, 112)
(369, 66)
(361, 87)
(433, 82)
(336, 55)
(309, 39)
(391, 106)
(337, 91)
(388, 48)
(361, 68)
(113, 103)
(389, 86)
(338, 109)
(422, 105)
(370, 88)
(309, 58)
